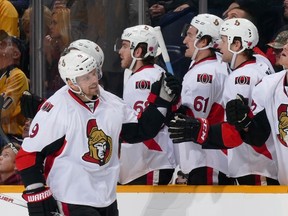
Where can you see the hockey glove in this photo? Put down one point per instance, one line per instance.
(30, 104)
(238, 112)
(165, 91)
(184, 128)
(40, 202)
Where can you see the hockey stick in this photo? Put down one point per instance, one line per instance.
(13, 200)
(2, 133)
(163, 48)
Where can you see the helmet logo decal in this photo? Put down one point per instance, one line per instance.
(97, 48)
(216, 22)
(63, 63)
(99, 145)
(146, 28)
(237, 23)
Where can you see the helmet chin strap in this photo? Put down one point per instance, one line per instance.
(80, 92)
(197, 49)
(134, 59)
(232, 63)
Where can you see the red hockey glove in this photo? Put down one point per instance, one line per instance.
(40, 202)
(184, 128)
(238, 112)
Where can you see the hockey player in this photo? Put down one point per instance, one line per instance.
(75, 135)
(201, 96)
(239, 36)
(153, 159)
(269, 119)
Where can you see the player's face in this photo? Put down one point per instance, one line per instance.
(7, 48)
(277, 54)
(236, 13)
(223, 46)
(89, 84)
(189, 41)
(125, 54)
(54, 27)
(7, 161)
(283, 60)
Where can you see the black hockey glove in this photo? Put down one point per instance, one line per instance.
(165, 91)
(30, 104)
(41, 202)
(238, 112)
(184, 128)
(173, 86)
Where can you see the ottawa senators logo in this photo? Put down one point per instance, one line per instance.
(204, 78)
(283, 124)
(242, 80)
(143, 84)
(99, 144)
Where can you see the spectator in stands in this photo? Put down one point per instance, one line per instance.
(8, 170)
(20, 6)
(54, 44)
(266, 15)
(9, 18)
(25, 34)
(275, 49)
(13, 83)
(158, 8)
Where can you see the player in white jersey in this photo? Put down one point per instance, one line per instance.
(239, 36)
(270, 116)
(71, 154)
(201, 97)
(153, 160)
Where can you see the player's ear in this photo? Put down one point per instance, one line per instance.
(138, 52)
(72, 86)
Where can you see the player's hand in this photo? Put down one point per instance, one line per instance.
(183, 129)
(41, 202)
(30, 104)
(164, 91)
(238, 112)
(172, 86)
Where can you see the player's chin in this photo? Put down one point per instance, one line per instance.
(188, 54)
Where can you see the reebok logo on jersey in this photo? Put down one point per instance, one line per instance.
(242, 80)
(47, 106)
(204, 78)
(143, 84)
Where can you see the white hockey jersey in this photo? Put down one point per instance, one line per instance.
(245, 159)
(154, 154)
(202, 93)
(88, 161)
(271, 95)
